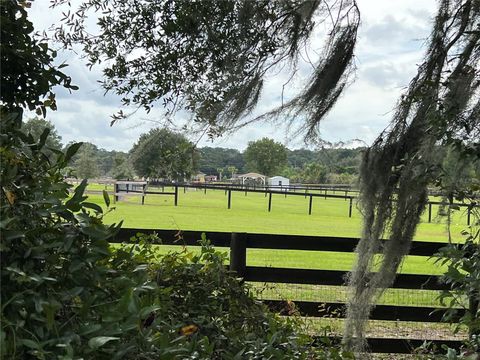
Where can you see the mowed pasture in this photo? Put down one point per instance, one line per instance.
(208, 211)
(249, 213)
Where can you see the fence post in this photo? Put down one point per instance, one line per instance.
(176, 195)
(325, 194)
(270, 202)
(473, 306)
(469, 209)
(238, 253)
(429, 212)
(350, 208)
(229, 198)
(310, 205)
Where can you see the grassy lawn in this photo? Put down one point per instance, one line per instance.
(199, 211)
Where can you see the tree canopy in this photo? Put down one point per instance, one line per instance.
(164, 154)
(265, 156)
(211, 57)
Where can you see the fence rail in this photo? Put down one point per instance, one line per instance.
(271, 190)
(239, 242)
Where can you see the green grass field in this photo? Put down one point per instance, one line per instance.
(199, 211)
(208, 212)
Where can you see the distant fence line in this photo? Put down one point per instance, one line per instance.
(270, 190)
(238, 243)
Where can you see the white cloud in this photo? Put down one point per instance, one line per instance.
(391, 44)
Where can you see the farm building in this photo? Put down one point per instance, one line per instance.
(200, 177)
(279, 181)
(209, 178)
(252, 178)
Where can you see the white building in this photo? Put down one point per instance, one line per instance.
(279, 181)
(252, 177)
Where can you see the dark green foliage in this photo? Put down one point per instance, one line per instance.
(314, 173)
(164, 154)
(211, 159)
(104, 162)
(265, 156)
(53, 253)
(122, 168)
(463, 277)
(85, 165)
(206, 313)
(36, 126)
(26, 63)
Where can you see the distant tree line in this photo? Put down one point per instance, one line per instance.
(165, 155)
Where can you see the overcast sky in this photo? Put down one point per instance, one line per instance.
(391, 44)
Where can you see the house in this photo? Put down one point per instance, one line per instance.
(199, 178)
(210, 178)
(279, 182)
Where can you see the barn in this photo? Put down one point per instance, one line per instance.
(279, 181)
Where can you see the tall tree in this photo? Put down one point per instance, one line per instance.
(164, 154)
(36, 126)
(315, 173)
(220, 171)
(86, 163)
(122, 167)
(265, 156)
(232, 170)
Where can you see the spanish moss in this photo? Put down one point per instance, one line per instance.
(439, 107)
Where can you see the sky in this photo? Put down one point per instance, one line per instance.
(391, 44)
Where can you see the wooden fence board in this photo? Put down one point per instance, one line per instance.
(337, 311)
(273, 241)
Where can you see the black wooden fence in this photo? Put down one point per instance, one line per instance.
(270, 190)
(239, 242)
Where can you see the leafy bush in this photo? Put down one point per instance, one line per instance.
(463, 278)
(54, 253)
(200, 310)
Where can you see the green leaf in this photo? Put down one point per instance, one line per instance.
(93, 206)
(106, 198)
(43, 137)
(74, 202)
(99, 341)
(72, 150)
(30, 343)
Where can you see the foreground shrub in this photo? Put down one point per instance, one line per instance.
(203, 312)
